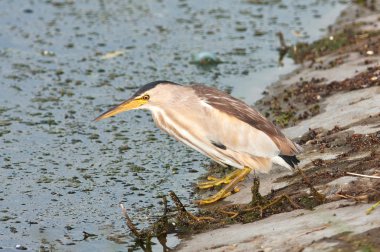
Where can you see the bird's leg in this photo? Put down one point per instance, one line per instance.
(218, 181)
(226, 191)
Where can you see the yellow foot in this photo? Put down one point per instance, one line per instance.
(214, 198)
(218, 181)
(238, 176)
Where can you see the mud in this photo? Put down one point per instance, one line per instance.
(305, 98)
(64, 62)
(366, 241)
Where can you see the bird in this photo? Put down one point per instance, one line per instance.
(216, 124)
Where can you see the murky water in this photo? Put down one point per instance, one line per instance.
(63, 62)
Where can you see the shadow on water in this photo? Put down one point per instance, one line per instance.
(64, 62)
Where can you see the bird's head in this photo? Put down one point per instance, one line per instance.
(146, 97)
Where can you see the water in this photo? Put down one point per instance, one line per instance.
(60, 172)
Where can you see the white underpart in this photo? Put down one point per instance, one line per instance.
(193, 142)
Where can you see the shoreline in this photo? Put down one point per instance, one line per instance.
(335, 115)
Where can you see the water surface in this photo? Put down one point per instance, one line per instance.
(64, 62)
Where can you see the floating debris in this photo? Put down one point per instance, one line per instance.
(21, 247)
(47, 53)
(112, 54)
(205, 58)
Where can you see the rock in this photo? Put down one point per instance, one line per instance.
(292, 231)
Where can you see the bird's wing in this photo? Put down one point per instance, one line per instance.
(237, 109)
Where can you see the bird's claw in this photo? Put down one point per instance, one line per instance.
(214, 198)
(212, 178)
(213, 181)
(231, 180)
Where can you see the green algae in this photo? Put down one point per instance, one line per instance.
(302, 51)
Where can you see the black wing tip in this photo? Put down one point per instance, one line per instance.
(219, 145)
(290, 160)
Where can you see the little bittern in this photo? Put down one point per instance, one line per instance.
(219, 126)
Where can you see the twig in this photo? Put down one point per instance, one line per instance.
(277, 200)
(315, 230)
(369, 210)
(373, 189)
(362, 175)
(163, 233)
(182, 210)
(343, 196)
(294, 205)
(128, 220)
(271, 203)
(280, 36)
(165, 201)
(233, 214)
(257, 199)
(321, 198)
(360, 198)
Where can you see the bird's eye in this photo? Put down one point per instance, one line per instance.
(145, 97)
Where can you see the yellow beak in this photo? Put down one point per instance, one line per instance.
(130, 104)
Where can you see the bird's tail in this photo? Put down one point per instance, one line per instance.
(289, 162)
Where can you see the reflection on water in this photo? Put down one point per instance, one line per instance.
(63, 62)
